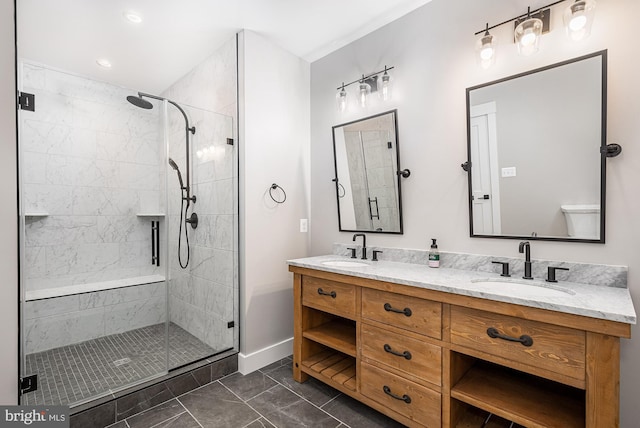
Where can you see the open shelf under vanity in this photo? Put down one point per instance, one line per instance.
(520, 397)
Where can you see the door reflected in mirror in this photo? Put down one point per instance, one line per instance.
(534, 146)
(367, 160)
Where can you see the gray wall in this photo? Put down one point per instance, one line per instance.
(433, 52)
(8, 210)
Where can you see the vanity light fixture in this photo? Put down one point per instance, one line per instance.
(528, 34)
(366, 86)
(486, 49)
(578, 18)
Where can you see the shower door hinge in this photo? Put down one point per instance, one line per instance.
(230, 141)
(231, 324)
(28, 384)
(27, 101)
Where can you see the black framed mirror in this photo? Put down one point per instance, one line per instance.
(367, 174)
(536, 145)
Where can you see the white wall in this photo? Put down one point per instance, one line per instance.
(274, 148)
(433, 52)
(8, 210)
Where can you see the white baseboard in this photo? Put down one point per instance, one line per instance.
(248, 363)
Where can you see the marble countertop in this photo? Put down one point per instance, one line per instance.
(608, 303)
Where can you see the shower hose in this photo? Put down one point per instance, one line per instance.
(183, 215)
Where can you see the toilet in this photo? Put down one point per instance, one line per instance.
(583, 221)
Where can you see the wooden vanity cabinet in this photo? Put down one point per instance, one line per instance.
(426, 358)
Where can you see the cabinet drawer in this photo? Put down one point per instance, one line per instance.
(410, 313)
(555, 348)
(329, 296)
(416, 358)
(416, 402)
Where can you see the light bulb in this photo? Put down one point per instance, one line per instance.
(528, 38)
(577, 22)
(486, 53)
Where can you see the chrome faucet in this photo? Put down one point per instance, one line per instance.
(525, 248)
(364, 244)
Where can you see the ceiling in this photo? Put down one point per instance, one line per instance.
(174, 36)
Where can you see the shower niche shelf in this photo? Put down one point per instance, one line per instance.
(36, 214)
(150, 214)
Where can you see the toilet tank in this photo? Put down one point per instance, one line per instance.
(583, 220)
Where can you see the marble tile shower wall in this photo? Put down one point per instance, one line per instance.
(202, 296)
(61, 321)
(91, 161)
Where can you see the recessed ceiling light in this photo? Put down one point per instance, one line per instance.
(133, 17)
(104, 63)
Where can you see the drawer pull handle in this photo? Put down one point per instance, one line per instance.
(324, 293)
(495, 334)
(406, 311)
(404, 398)
(405, 354)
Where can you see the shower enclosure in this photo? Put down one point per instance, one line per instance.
(106, 301)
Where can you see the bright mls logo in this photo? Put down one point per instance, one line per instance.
(36, 416)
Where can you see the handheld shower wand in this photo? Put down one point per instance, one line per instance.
(175, 166)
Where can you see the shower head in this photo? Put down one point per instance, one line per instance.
(174, 165)
(139, 102)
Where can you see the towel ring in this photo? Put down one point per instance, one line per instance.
(272, 188)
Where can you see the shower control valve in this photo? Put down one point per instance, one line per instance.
(192, 220)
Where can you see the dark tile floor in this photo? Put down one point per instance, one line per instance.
(266, 398)
(74, 373)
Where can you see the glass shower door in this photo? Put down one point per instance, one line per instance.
(202, 295)
(94, 306)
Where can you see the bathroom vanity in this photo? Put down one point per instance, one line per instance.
(441, 348)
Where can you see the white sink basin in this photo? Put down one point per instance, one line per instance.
(344, 263)
(520, 288)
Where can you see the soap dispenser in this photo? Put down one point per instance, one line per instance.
(434, 255)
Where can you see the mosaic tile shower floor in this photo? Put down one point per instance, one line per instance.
(77, 372)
